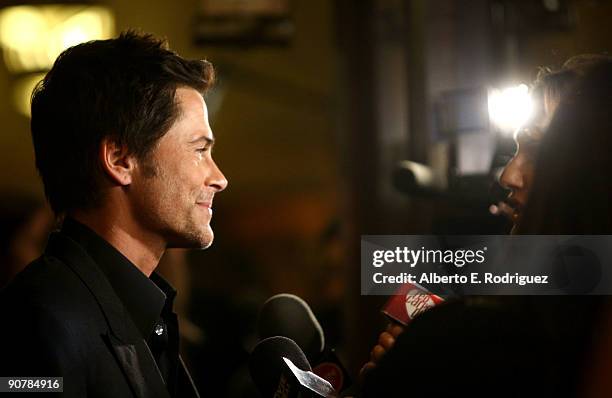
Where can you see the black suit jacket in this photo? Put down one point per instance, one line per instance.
(61, 317)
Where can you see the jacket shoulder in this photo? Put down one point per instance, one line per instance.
(50, 284)
(47, 301)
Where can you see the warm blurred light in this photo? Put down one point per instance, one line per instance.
(510, 108)
(22, 92)
(33, 36)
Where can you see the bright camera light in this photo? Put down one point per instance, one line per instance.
(510, 108)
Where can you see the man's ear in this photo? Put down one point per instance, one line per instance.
(116, 162)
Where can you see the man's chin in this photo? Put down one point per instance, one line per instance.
(206, 244)
(198, 241)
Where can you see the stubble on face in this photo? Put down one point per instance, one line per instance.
(172, 188)
(178, 216)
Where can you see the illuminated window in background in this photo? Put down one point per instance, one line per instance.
(33, 36)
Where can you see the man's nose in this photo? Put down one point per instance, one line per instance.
(512, 176)
(216, 179)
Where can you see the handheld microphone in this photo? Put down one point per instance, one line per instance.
(408, 302)
(280, 369)
(290, 316)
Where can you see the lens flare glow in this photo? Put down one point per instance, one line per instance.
(510, 108)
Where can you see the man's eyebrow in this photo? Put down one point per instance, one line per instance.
(203, 138)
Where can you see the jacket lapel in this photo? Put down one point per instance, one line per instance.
(124, 339)
(186, 386)
(143, 375)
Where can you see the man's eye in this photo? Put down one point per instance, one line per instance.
(202, 149)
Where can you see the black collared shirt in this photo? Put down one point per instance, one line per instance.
(149, 301)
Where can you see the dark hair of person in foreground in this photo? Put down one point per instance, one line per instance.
(572, 188)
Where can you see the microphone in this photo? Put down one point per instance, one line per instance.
(290, 316)
(280, 369)
(408, 302)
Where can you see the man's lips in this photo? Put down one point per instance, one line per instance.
(205, 200)
(207, 205)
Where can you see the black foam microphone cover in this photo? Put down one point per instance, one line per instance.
(266, 362)
(290, 316)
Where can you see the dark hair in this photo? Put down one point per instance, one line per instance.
(122, 88)
(552, 84)
(572, 187)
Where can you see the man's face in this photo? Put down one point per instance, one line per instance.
(175, 201)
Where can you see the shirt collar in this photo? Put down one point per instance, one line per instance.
(144, 298)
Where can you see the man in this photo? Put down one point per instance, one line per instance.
(123, 145)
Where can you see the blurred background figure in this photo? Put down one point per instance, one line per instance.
(25, 222)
